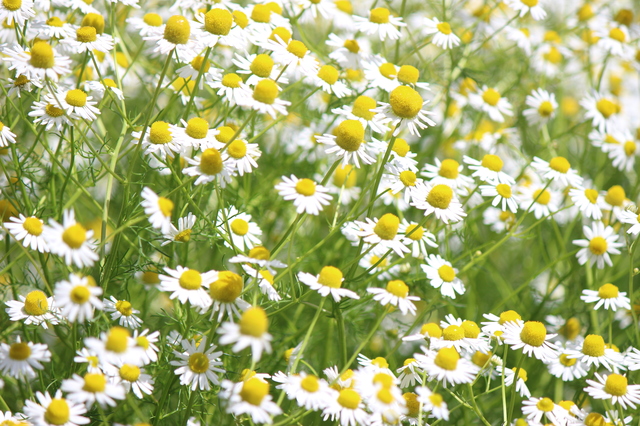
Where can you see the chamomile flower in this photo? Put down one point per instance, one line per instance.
(603, 109)
(383, 234)
(448, 172)
(446, 366)
(463, 335)
(132, 377)
(495, 326)
(175, 38)
(293, 55)
(308, 196)
(196, 133)
(347, 142)
(265, 282)
(565, 368)
(92, 388)
(122, 311)
(608, 295)
(264, 99)
(231, 87)
(71, 241)
(77, 104)
(542, 107)
(328, 79)
(6, 136)
(531, 337)
(251, 330)
(443, 276)
(182, 233)
(86, 39)
(381, 74)
(146, 25)
(210, 166)
(593, 351)
(34, 308)
(443, 35)
(115, 347)
(77, 298)
(349, 52)
(188, 285)
(198, 364)
(19, 359)
(417, 238)
(85, 356)
(48, 113)
(631, 218)
(600, 243)
(308, 390)
(159, 139)
(615, 387)
(347, 407)
(440, 200)
(432, 403)
(214, 28)
(490, 101)
(16, 11)
(243, 156)
(259, 256)
(535, 408)
(380, 21)
(557, 169)
(327, 282)
(145, 342)
(259, 67)
(158, 209)
(615, 39)
(249, 397)
(55, 411)
(363, 110)
(405, 110)
(588, 201)
(509, 377)
(383, 268)
(502, 194)
(29, 231)
(623, 155)
(40, 62)
(528, 6)
(542, 202)
(400, 179)
(430, 330)
(396, 294)
(489, 169)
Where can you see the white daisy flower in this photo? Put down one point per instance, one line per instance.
(259, 67)
(189, 285)
(251, 330)
(85, 356)
(349, 52)
(432, 403)
(77, 104)
(115, 347)
(197, 134)
(327, 282)
(308, 196)
(588, 201)
(308, 390)
(132, 377)
(442, 275)
(417, 238)
(603, 109)
(443, 35)
(380, 21)
(122, 311)
(509, 377)
(593, 351)
(396, 294)
(243, 155)
(400, 179)
(439, 199)
(175, 38)
(542, 107)
(531, 337)
(6, 136)
(264, 99)
(565, 368)
(231, 87)
(463, 335)
(405, 110)
(541, 201)
(528, 6)
(92, 388)
(347, 142)
(447, 172)
(16, 11)
(86, 39)
(48, 114)
(19, 359)
(214, 28)
(381, 267)
(146, 343)
(631, 218)
(616, 388)
(363, 110)
(293, 55)
(182, 233)
(489, 169)
(347, 407)
(198, 365)
(265, 282)
(245, 234)
(608, 295)
(261, 257)
(39, 62)
(623, 155)
(146, 25)
(158, 209)
(36, 308)
(535, 408)
(490, 101)
(495, 326)
(28, 230)
(71, 241)
(250, 397)
(210, 166)
(446, 366)
(381, 74)
(159, 139)
(502, 194)
(327, 78)
(615, 39)
(557, 169)
(600, 243)
(77, 298)
(55, 411)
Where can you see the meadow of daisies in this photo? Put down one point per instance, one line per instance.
(319, 212)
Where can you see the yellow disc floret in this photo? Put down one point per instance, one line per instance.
(405, 102)
(254, 322)
(227, 288)
(387, 226)
(330, 276)
(177, 30)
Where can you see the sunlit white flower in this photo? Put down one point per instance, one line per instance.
(28, 230)
(443, 276)
(39, 62)
(308, 390)
(250, 331)
(530, 6)
(19, 359)
(531, 337)
(327, 282)
(396, 294)
(250, 397)
(188, 285)
(600, 243)
(588, 201)
(616, 388)
(55, 411)
(603, 109)
(348, 142)
(608, 295)
(158, 209)
(34, 308)
(542, 106)
(198, 364)
(122, 311)
(443, 35)
(175, 38)
(308, 196)
(71, 241)
(380, 21)
(593, 351)
(535, 408)
(92, 388)
(405, 110)
(440, 200)
(446, 366)
(489, 169)
(557, 169)
(490, 101)
(77, 298)
(502, 194)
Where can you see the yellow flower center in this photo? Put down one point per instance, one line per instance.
(330, 276)
(408, 74)
(36, 303)
(615, 196)
(352, 46)
(57, 412)
(94, 383)
(225, 135)
(267, 276)
(129, 372)
(240, 18)
(94, 20)
(618, 35)
(32, 225)
(227, 288)
(260, 253)
(12, 5)
(388, 70)
(559, 164)
(42, 55)
(379, 15)
(328, 74)
(431, 329)
(362, 107)
(414, 232)
(453, 332)
(231, 80)
(387, 226)
(440, 196)
(80, 295)
(492, 162)
(436, 399)
(608, 291)
(254, 390)
(283, 33)
(266, 91)
(346, 176)
(124, 308)
(382, 379)
(509, 316)
(19, 351)
(591, 195)
(405, 102)
(385, 396)
(262, 65)
(593, 345)
(616, 385)
(595, 419)
(553, 55)
(606, 107)
(239, 227)
(20, 81)
(503, 190)
(159, 133)
(76, 98)
(237, 149)
(297, 48)
(166, 206)
(545, 109)
(471, 329)
(211, 162)
(218, 21)
(571, 328)
(197, 127)
(310, 383)
(183, 236)
(408, 178)
(261, 13)
(198, 363)
(398, 288)
(53, 111)
(254, 322)
(177, 30)
(348, 398)
(491, 96)
(190, 280)
(86, 34)
(446, 273)
(598, 246)
(534, 333)
(542, 196)
(412, 404)
(152, 19)
(480, 359)
(74, 236)
(306, 187)
(447, 359)
(349, 135)
(530, 3)
(566, 361)
(545, 404)
(117, 340)
(401, 147)
(198, 63)
(449, 169)
(444, 28)
(630, 148)
(142, 342)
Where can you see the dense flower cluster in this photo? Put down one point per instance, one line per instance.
(319, 212)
